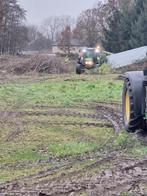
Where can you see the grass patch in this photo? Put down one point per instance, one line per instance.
(72, 148)
(60, 92)
(15, 154)
(124, 140)
(131, 144)
(32, 144)
(139, 151)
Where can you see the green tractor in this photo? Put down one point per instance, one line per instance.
(134, 101)
(89, 58)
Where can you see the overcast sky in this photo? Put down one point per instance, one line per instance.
(37, 10)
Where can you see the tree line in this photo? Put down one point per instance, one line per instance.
(126, 26)
(117, 25)
(13, 32)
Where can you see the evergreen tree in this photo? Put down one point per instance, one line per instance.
(127, 26)
(139, 25)
(118, 32)
(126, 21)
(112, 41)
(138, 7)
(125, 32)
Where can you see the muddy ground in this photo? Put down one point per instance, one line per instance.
(111, 172)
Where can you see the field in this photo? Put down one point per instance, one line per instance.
(63, 135)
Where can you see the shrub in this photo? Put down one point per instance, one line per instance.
(105, 69)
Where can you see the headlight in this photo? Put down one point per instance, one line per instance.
(89, 64)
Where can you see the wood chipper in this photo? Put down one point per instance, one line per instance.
(89, 58)
(134, 100)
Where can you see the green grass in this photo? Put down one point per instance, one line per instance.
(72, 148)
(61, 92)
(41, 142)
(30, 138)
(130, 144)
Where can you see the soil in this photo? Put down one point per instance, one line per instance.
(127, 176)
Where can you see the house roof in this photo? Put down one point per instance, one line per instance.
(73, 42)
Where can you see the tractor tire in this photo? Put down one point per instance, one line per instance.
(79, 69)
(131, 121)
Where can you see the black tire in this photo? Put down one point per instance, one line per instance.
(130, 120)
(79, 69)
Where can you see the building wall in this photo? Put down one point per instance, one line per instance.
(74, 49)
(56, 49)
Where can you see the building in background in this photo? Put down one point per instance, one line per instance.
(74, 47)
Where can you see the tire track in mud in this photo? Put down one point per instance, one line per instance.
(15, 185)
(114, 117)
(105, 183)
(124, 177)
(108, 112)
(104, 111)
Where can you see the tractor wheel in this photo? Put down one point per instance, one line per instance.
(130, 120)
(79, 69)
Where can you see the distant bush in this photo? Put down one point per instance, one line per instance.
(71, 56)
(105, 69)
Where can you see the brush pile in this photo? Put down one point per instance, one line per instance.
(42, 64)
(35, 63)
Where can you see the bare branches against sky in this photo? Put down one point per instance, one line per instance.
(38, 10)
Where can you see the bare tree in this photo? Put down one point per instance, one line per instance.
(65, 40)
(92, 22)
(32, 33)
(51, 27)
(37, 40)
(88, 28)
(54, 25)
(12, 30)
